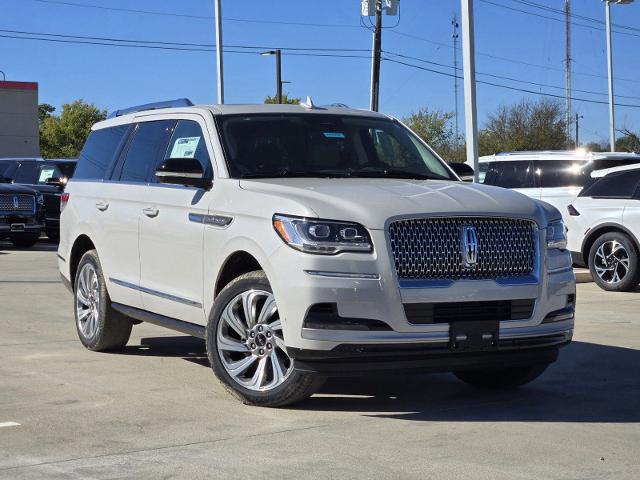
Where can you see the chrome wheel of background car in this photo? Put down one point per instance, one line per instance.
(611, 262)
(250, 342)
(87, 300)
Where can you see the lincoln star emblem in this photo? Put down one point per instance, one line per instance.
(16, 203)
(469, 246)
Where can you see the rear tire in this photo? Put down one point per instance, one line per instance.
(613, 262)
(100, 328)
(247, 353)
(25, 240)
(502, 378)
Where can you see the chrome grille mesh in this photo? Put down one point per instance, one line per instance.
(17, 203)
(430, 248)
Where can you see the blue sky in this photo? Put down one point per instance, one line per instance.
(509, 43)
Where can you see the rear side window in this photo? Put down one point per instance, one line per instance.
(562, 173)
(188, 141)
(98, 152)
(47, 172)
(509, 174)
(27, 173)
(615, 185)
(148, 144)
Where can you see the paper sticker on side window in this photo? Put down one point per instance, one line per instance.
(185, 147)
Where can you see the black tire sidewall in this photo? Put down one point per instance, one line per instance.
(285, 393)
(26, 240)
(632, 278)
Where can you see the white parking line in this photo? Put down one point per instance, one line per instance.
(9, 424)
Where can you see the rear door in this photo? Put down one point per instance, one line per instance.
(560, 181)
(172, 231)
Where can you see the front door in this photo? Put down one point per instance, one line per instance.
(172, 231)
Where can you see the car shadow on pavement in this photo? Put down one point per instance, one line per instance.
(589, 383)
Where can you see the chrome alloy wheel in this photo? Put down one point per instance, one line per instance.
(611, 262)
(88, 301)
(250, 342)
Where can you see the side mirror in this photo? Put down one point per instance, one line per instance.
(182, 171)
(464, 171)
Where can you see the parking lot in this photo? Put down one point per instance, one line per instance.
(155, 410)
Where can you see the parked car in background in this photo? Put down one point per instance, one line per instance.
(604, 227)
(48, 177)
(304, 242)
(21, 214)
(555, 177)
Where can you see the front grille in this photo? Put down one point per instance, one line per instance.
(447, 312)
(17, 203)
(431, 248)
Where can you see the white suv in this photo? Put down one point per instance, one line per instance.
(303, 242)
(553, 176)
(604, 227)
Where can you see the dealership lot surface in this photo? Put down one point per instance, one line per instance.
(156, 410)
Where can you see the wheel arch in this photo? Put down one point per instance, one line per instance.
(236, 264)
(81, 245)
(595, 232)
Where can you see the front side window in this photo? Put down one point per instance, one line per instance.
(615, 185)
(187, 141)
(508, 174)
(148, 144)
(319, 145)
(98, 152)
(5, 170)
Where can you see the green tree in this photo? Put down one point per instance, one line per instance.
(435, 128)
(528, 125)
(629, 142)
(64, 135)
(285, 99)
(45, 110)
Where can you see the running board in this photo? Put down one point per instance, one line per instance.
(160, 320)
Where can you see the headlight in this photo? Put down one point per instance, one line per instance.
(557, 235)
(326, 237)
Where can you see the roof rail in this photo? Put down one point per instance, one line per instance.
(179, 102)
(535, 152)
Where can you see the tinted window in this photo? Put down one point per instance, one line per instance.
(325, 145)
(614, 185)
(98, 152)
(5, 170)
(47, 172)
(66, 168)
(614, 162)
(148, 144)
(509, 174)
(188, 141)
(562, 173)
(27, 173)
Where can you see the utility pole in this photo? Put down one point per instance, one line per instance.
(567, 21)
(278, 76)
(577, 131)
(218, 13)
(375, 64)
(455, 36)
(469, 65)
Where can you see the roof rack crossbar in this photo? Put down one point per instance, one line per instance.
(179, 102)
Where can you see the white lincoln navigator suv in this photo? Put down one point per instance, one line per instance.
(304, 242)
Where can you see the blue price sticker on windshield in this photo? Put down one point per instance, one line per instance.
(333, 134)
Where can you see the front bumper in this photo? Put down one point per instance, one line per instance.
(364, 286)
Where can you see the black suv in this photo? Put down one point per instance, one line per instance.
(48, 177)
(21, 214)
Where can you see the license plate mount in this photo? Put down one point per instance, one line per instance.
(474, 335)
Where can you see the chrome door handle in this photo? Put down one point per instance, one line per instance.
(102, 206)
(150, 212)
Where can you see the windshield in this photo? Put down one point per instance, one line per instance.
(320, 145)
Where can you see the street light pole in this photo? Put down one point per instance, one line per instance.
(278, 76)
(218, 13)
(469, 65)
(612, 119)
(375, 62)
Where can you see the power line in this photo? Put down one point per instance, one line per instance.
(508, 87)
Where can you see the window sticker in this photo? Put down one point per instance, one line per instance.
(46, 174)
(333, 134)
(185, 147)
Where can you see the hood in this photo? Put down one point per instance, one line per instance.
(371, 202)
(12, 188)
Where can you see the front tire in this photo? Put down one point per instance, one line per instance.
(504, 378)
(25, 240)
(246, 346)
(613, 262)
(100, 328)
